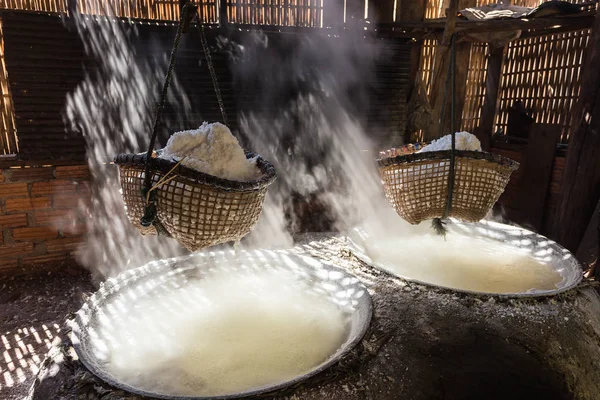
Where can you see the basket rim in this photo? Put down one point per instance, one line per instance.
(446, 155)
(163, 165)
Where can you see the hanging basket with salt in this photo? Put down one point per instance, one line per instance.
(198, 209)
(447, 183)
(416, 184)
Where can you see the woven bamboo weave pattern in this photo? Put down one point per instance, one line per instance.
(416, 185)
(196, 209)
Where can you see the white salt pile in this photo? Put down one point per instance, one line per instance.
(226, 333)
(464, 141)
(211, 149)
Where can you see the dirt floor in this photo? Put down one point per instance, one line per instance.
(423, 344)
(32, 310)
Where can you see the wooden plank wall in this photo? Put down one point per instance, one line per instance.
(509, 199)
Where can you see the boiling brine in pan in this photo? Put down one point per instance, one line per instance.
(224, 334)
(463, 262)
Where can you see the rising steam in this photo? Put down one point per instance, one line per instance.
(309, 118)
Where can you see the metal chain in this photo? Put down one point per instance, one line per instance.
(213, 74)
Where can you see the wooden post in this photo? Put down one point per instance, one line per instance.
(581, 182)
(72, 7)
(492, 84)
(413, 10)
(223, 20)
(381, 11)
(441, 71)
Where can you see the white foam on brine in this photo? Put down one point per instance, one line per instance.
(460, 262)
(226, 333)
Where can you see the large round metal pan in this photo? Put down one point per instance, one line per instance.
(538, 246)
(342, 288)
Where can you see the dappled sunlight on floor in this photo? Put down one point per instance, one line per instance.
(23, 350)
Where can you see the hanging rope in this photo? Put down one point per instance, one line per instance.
(438, 224)
(213, 74)
(149, 218)
(451, 172)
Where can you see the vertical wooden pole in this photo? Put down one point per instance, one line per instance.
(223, 21)
(581, 182)
(72, 7)
(413, 10)
(441, 71)
(490, 101)
(382, 11)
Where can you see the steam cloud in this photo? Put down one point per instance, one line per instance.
(317, 137)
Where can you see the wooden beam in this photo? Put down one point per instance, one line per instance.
(381, 11)
(412, 10)
(490, 101)
(581, 182)
(450, 27)
(441, 73)
(529, 27)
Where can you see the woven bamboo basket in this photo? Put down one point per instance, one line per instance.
(416, 184)
(196, 209)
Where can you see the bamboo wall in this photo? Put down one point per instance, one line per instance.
(541, 72)
(475, 91)
(8, 134)
(305, 13)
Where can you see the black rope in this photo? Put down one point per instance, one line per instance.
(438, 224)
(451, 172)
(150, 211)
(211, 70)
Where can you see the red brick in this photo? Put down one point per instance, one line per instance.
(9, 262)
(16, 249)
(50, 217)
(45, 259)
(64, 245)
(13, 220)
(76, 172)
(13, 190)
(74, 230)
(34, 233)
(84, 188)
(67, 201)
(31, 174)
(24, 204)
(51, 187)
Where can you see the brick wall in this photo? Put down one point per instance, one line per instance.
(39, 220)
